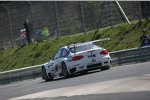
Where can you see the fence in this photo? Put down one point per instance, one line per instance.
(62, 17)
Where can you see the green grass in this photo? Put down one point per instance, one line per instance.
(122, 36)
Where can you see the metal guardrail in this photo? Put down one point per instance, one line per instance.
(118, 57)
(20, 74)
(131, 55)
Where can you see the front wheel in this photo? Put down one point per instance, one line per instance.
(105, 68)
(44, 75)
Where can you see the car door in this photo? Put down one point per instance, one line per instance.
(63, 57)
(56, 68)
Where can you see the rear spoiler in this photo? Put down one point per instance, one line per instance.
(99, 40)
(90, 42)
(104, 39)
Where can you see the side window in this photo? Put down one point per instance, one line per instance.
(64, 53)
(58, 54)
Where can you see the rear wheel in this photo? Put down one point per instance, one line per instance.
(104, 68)
(64, 70)
(84, 72)
(44, 75)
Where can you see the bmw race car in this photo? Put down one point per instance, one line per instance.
(76, 58)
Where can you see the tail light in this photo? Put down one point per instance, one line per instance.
(104, 52)
(77, 58)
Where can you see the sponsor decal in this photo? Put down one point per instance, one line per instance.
(76, 65)
(56, 68)
(93, 60)
(91, 54)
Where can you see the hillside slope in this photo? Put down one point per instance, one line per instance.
(122, 37)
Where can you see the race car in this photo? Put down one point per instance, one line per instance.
(76, 58)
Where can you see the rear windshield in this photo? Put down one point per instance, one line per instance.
(83, 48)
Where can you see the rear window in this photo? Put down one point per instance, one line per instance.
(83, 48)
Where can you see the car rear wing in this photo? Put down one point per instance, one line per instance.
(104, 39)
(85, 43)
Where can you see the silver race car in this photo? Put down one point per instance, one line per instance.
(76, 58)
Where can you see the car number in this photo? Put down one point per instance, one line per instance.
(93, 60)
(91, 54)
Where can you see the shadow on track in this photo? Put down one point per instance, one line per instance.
(74, 75)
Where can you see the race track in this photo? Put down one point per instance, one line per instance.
(118, 83)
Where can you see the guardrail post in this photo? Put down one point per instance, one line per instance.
(83, 17)
(110, 13)
(123, 13)
(31, 16)
(138, 11)
(119, 60)
(56, 18)
(10, 24)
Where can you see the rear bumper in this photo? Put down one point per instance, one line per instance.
(94, 66)
(100, 65)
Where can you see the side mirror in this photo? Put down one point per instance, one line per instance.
(53, 58)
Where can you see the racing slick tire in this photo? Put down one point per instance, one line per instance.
(84, 72)
(105, 68)
(44, 75)
(64, 70)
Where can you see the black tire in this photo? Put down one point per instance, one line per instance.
(84, 72)
(64, 70)
(44, 75)
(104, 68)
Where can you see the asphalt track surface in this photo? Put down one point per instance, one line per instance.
(118, 83)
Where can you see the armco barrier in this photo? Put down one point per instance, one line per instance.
(131, 55)
(118, 57)
(20, 74)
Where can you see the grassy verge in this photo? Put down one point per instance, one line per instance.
(122, 37)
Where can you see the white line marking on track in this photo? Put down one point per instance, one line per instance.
(141, 83)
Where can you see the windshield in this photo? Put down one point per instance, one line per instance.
(82, 48)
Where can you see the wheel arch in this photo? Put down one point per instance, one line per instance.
(46, 69)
